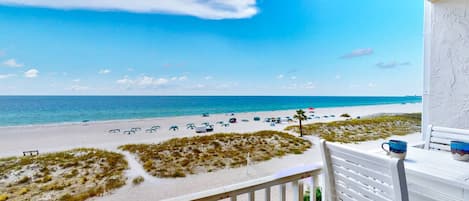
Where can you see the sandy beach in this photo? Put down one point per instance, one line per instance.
(48, 138)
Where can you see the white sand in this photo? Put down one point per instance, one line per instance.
(47, 138)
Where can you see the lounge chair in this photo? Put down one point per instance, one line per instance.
(129, 132)
(136, 129)
(114, 131)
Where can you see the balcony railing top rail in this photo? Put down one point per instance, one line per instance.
(293, 175)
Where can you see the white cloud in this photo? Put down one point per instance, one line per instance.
(392, 64)
(310, 85)
(143, 81)
(291, 86)
(293, 77)
(12, 63)
(358, 53)
(125, 80)
(5, 76)
(207, 9)
(371, 85)
(338, 77)
(227, 85)
(79, 88)
(76, 80)
(104, 71)
(130, 69)
(182, 78)
(31, 73)
(208, 77)
(280, 76)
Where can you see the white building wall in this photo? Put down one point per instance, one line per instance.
(446, 92)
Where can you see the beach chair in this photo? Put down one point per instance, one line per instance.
(129, 132)
(354, 175)
(136, 129)
(31, 153)
(190, 126)
(114, 131)
(439, 138)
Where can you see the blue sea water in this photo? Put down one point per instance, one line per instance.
(27, 110)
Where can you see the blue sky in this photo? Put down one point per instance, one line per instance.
(212, 47)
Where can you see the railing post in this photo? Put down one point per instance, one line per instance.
(312, 188)
(267, 194)
(233, 198)
(300, 191)
(282, 191)
(251, 196)
(296, 190)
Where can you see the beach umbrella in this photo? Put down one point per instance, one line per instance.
(190, 126)
(174, 128)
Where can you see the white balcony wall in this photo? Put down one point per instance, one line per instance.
(446, 60)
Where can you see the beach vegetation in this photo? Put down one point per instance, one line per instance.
(138, 180)
(3, 197)
(76, 175)
(364, 129)
(300, 115)
(180, 157)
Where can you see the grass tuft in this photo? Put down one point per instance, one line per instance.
(138, 180)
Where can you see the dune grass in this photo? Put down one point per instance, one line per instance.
(75, 175)
(181, 156)
(364, 129)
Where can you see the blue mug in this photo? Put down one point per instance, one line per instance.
(397, 148)
(460, 150)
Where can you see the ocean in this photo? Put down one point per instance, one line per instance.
(30, 110)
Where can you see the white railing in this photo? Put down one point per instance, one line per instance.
(295, 176)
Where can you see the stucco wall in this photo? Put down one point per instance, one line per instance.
(447, 63)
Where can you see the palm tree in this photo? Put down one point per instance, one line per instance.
(300, 115)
